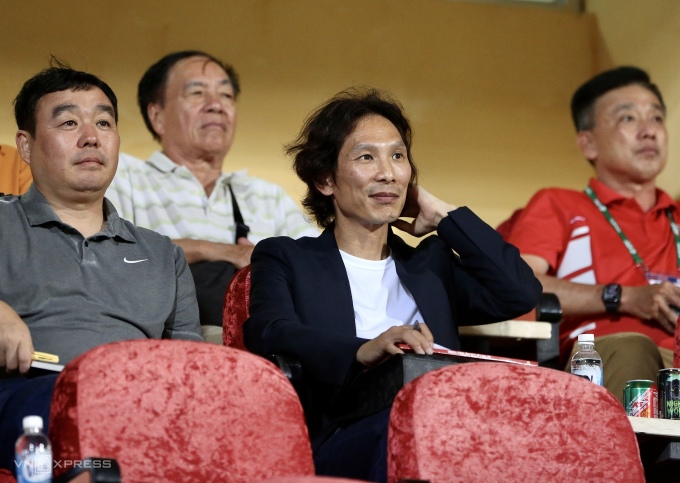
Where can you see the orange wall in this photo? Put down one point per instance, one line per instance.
(487, 87)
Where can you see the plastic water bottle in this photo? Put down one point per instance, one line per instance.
(33, 453)
(586, 362)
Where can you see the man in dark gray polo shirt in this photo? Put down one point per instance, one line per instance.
(73, 275)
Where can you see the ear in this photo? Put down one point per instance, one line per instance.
(587, 145)
(24, 141)
(325, 187)
(155, 113)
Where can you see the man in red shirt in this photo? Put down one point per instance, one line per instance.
(610, 252)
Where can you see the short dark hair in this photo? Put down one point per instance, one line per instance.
(58, 77)
(583, 100)
(151, 88)
(316, 149)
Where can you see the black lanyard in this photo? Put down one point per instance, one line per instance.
(628, 244)
(241, 228)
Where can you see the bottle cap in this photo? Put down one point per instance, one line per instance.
(586, 338)
(33, 422)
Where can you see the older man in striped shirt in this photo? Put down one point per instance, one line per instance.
(188, 101)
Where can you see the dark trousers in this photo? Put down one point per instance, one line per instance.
(356, 451)
(21, 397)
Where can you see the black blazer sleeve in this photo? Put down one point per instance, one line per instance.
(492, 280)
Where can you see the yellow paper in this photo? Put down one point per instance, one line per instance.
(45, 357)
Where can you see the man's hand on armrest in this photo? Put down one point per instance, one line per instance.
(16, 345)
(206, 251)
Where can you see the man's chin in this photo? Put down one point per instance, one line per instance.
(649, 170)
(91, 190)
(385, 219)
(215, 146)
(92, 186)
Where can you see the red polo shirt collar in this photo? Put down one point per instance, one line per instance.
(608, 196)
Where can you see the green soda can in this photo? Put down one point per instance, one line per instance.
(640, 398)
(668, 381)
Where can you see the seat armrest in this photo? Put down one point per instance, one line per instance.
(548, 308)
(290, 367)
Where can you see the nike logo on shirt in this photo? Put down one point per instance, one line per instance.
(134, 261)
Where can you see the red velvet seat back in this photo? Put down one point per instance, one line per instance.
(510, 423)
(6, 476)
(311, 479)
(170, 410)
(235, 312)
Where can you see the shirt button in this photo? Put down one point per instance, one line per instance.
(87, 243)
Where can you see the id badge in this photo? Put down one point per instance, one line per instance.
(654, 278)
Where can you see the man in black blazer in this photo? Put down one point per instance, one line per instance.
(341, 302)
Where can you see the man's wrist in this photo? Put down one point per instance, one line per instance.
(443, 212)
(611, 297)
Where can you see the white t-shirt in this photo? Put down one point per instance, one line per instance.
(380, 299)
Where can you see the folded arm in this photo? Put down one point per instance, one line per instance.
(646, 302)
(207, 251)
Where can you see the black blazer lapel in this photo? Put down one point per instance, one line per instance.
(334, 268)
(428, 292)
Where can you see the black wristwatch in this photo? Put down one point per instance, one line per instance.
(611, 296)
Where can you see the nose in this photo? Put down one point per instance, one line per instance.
(88, 136)
(385, 172)
(214, 102)
(649, 129)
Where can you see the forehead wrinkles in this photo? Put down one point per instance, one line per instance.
(628, 97)
(203, 83)
(80, 101)
(627, 106)
(183, 73)
(372, 133)
(379, 145)
(74, 108)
